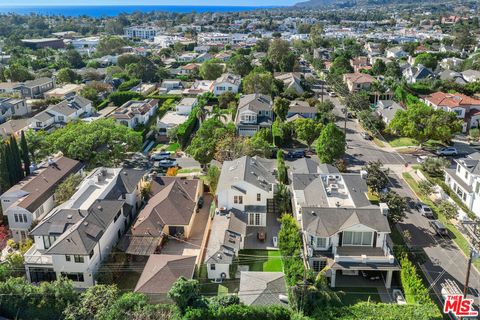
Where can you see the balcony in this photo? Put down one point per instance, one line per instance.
(35, 257)
(364, 254)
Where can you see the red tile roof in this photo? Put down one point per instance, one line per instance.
(451, 100)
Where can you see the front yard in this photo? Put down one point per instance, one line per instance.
(261, 260)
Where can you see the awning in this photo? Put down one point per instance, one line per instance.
(366, 266)
(139, 245)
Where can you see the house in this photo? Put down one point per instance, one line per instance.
(199, 87)
(201, 49)
(453, 76)
(301, 109)
(170, 120)
(74, 238)
(171, 209)
(341, 228)
(395, 53)
(188, 69)
(223, 56)
(202, 57)
(161, 272)
(387, 110)
(465, 107)
(134, 113)
(413, 74)
(42, 43)
(358, 81)
(169, 85)
(85, 45)
(464, 179)
(9, 87)
(13, 127)
(12, 107)
(291, 82)
(58, 115)
(253, 113)
(33, 197)
(187, 57)
(451, 63)
(186, 105)
(471, 75)
(227, 82)
(34, 89)
(141, 32)
(64, 92)
(360, 63)
(262, 288)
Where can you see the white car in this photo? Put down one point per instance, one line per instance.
(448, 151)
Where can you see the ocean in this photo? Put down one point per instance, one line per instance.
(113, 10)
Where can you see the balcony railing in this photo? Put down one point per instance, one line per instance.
(364, 254)
(33, 256)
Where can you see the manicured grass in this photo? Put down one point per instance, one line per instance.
(261, 260)
(222, 290)
(173, 147)
(355, 295)
(402, 142)
(372, 197)
(458, 237)
(189, 170)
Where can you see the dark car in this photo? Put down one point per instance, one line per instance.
(200, 202)
(439, 228)
(163, 155)
(296, 154)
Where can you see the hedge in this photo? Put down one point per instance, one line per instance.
(185, 130)
(120, 97)
(290, 245)
(238, 312)
(127, 85)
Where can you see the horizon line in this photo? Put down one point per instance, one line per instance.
(136, 5)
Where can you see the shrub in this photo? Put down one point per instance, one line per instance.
(120, 97)
(127, 85)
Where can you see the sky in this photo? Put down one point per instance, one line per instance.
(150, 2)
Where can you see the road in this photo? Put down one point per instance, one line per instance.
(442, 259)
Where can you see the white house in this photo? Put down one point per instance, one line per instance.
(464, 180)
(141, 32)
(185, 106)
(33, 197)
(395, 53)
(12, 107)
(73, 239)
(253, 113)
(133, 113)
(227, 82)
(86, 45)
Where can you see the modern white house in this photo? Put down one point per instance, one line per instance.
(34, 196)
(464, 179)
(134, 113)
(185, 106)
(56, 116)
(75, 237)
(227, 82)
(86, 45)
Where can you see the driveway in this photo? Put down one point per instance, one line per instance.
(443, 259)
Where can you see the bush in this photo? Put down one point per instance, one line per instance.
(120, 97)
(415, 290)
(127, 85)
(290, 245)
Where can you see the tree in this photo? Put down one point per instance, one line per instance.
(25, 154)
(280, 107)
(184, 293)
(425, 187)
(331, 144)
(397, 206)
(307, 130)
(379, 67)
(36, 143)
(18, 73)
(435, 166)
(316, 34)
(5, 182)
(423, 123)
(447, 209)
(110, 45)
(393, 70)
(225, 99)
(211, 70)
(427, 59)
(282, 199)
(240, 64)
(281, 168)
(74, 59)
(280, 56)
(66, 75)
(203, 145)
(341, 65)
(67, 188)
(377, 176)
(120, 97)
(371, 121)
(90, 93)
(213, 174)
(258, 82)
(16, 162)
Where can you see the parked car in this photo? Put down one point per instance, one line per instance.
(166, 163)
(163, 155)
(439, 228)
(448, 151)
(332, 94)
(200, 202)
(366, 136)
(296, 154)
(425, 210)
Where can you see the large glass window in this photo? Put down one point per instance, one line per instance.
(48, 241)
(351, 238)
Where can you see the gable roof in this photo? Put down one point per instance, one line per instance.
(359, 78)
(261, 288)
(325, 222)
(451, 100)
(162, 270)
(172, 204)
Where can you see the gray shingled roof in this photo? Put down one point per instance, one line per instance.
(325, 222)
(303, 165)
(261, 288)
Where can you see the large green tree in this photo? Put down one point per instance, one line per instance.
(258, 82)
(331, 144)
(25, 154)
(211, 70)
(281, 107)
(307, 130)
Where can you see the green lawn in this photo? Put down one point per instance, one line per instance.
(458, 237)
(402, 142)
(354, 295)
(261, 260)
(189, 170)
(222, 290)
(173, 147)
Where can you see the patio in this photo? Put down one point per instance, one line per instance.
(271, 230)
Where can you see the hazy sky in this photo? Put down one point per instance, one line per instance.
(150, 2)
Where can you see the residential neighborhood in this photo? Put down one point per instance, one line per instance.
(300, 161)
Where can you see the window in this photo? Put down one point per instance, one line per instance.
(78, 259)
(16, 217)
(458, 168)
(357, 238)
(74, 276)
(466, 174)
(116, 216)
(477, 187)
(259, 197)
(48, 241)
(238, 199)
(38, 124)
(321, 242)
(254, 219)
(68, 258)
(91, 254)
(212, 267)
(318, 265)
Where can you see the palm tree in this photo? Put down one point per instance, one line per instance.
(219, 114)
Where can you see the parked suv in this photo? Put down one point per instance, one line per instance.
(439, 228)
(448, 151)
(425, 210)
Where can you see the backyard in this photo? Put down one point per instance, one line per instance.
(354, 295)
(261, 260)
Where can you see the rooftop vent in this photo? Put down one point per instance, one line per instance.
(69, 216)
